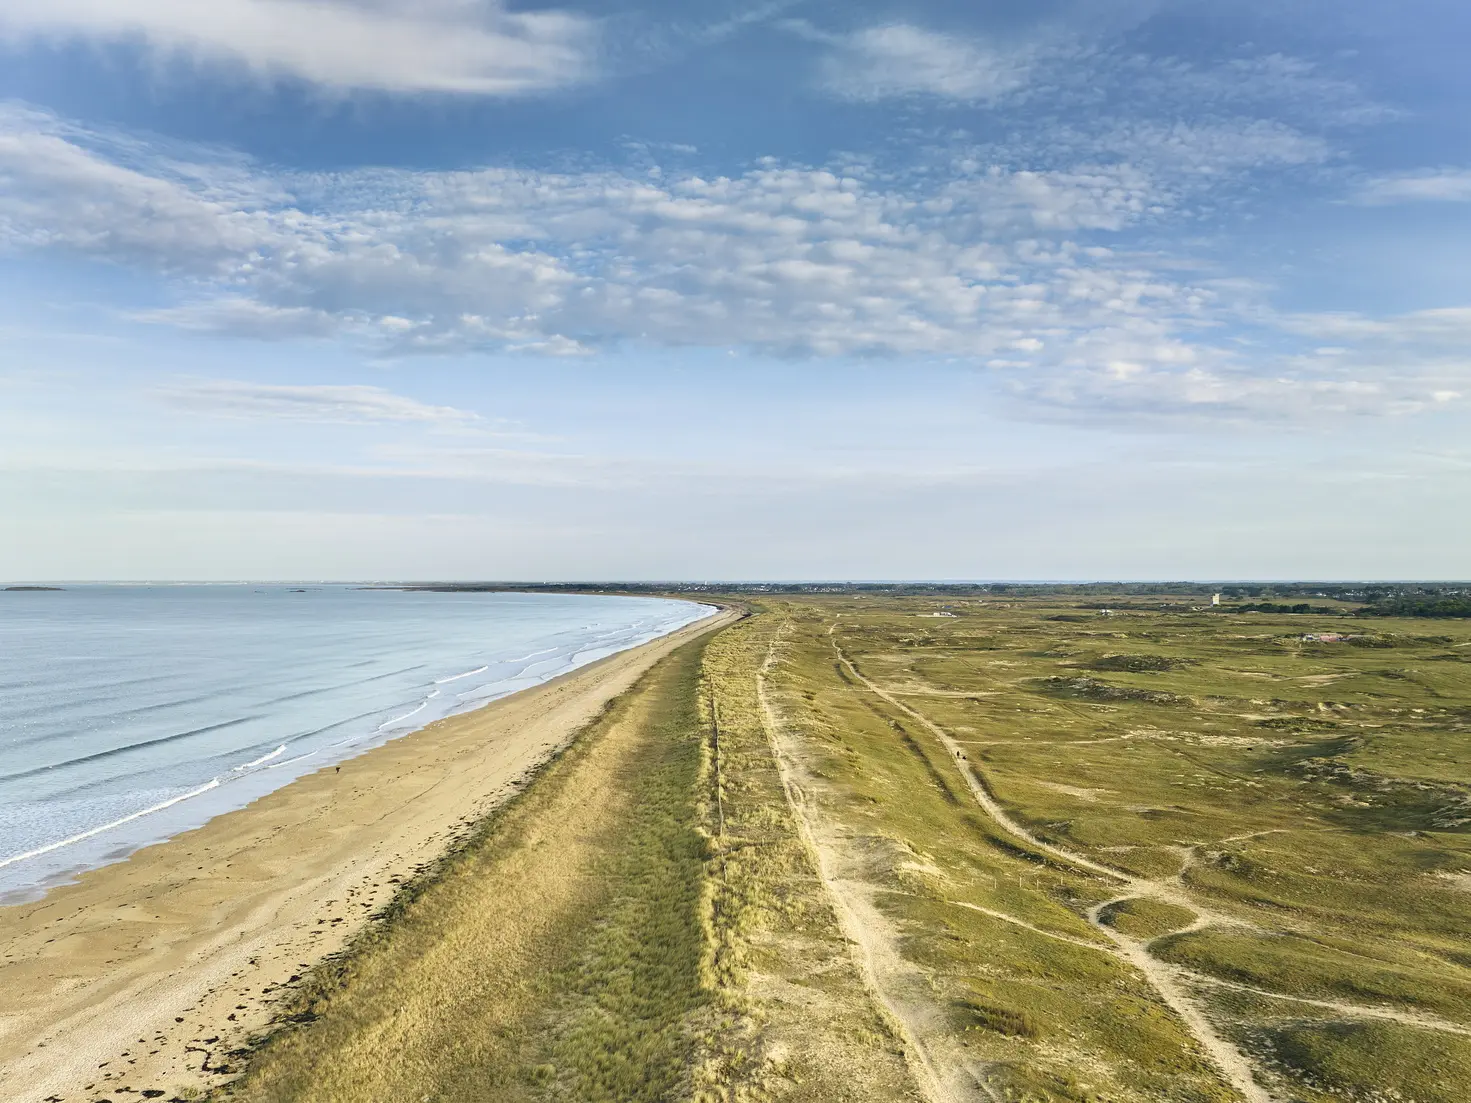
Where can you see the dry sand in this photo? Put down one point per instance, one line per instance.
(143, 975)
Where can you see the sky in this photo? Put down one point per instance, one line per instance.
(636, 289)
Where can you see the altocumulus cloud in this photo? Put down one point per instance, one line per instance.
(900, 59)
(1436, 185)
(454, 46)
(969, 257)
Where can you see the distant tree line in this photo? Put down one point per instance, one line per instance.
(1420, 607)
(1299, 607)
(1367, 592)
(1426, 599)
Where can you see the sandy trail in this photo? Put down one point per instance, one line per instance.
(1082, 943)
(912, 691)
(1045, 742)
(1349, 1010)
(145, 974)
(1227, 1057)
(1170, 981)
(898, 986)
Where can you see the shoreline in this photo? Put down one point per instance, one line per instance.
(28, 876)
(148, 970)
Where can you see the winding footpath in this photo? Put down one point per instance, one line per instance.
(1169, 981)
(897, 986)
(1162, 978)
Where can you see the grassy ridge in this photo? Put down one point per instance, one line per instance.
(790, 1018)
(642, 923)
(554, 956)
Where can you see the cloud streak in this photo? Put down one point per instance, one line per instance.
(1431, 186)
(403, 46)
(334, 404)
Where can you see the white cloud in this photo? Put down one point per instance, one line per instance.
(1290, 87)
(354, 403)
(53, 192)
(1445, 328)
(1124, 388)
(457, 46)
(1109, 198)
(1212, 148)
(1118, 91)
(247, 318)
(901, 59)
(1016, 269)
(785, 259)
(1435, 185)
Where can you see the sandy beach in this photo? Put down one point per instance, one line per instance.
(146, 973)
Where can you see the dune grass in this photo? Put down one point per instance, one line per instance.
(641, 923)
(794, 1019)
(1032, 995)
(555, 955)
(647, 921)
(1312, 799)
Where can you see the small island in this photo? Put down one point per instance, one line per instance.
(32, 589)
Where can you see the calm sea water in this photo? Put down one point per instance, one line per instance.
(130, 713)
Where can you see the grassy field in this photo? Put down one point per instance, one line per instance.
(849, 850)
(1197, 816)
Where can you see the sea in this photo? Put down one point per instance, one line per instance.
(131, 713)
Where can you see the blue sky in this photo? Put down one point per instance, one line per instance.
(378, 289)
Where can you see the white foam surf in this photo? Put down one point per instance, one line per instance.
(262, 760)
(84, 835)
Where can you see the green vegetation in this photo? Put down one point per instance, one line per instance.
(641, 923)
(1423, 607)
(556, 955)
(1027, 852)
(1340, 1060)
(1287, 807)
(795, 1020)
(1146, 919)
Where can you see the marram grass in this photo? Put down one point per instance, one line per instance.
(646, 921)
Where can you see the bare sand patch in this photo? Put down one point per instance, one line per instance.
(1090, 795)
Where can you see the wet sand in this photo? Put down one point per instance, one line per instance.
(144, 975)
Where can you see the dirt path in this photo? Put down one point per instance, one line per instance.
(1024, 925)
(1044, 742)
(899, 987)
(1233, 1064)
(1350, 1010)
(1170, 981)
(956, 693)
